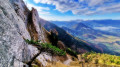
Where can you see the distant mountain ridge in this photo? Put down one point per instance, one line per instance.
(69, 40)
(87, 33)
(90, 23)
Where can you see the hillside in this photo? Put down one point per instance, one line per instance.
(93, 59)
(105, 41)
(70, 41)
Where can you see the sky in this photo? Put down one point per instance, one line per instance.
(66, 10)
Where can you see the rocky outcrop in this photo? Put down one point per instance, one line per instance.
(21, 9)
(30, 18)
(13, 48)
(14, 16)
(36, 31)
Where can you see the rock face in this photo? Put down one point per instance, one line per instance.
(33, 25)
(14, 28)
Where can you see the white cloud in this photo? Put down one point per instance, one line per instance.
(36, 1)
(44, 13)
(37, 7)
(98, 2)
(85, 7)
(110, 9)
(106, 28)
(81, 0)
(41, 10)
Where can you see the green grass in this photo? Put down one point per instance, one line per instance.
(32, 41)
(55, 49)
(71, 52)
(47, 46)
(98, 58)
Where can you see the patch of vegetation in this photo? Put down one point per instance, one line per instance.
(35, 66)
(32, 41)
(37, 63)
(99, 58)
(55, 49)
(47, 47)
(71, 52)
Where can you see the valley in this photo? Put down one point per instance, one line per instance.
(107, 41)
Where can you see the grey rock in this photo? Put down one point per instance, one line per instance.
(14, 51)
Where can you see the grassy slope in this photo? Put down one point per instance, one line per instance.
(91, 59)
(97, 58)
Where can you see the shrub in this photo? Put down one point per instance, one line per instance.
(32, 41)
(73, 53)
(47, 47)
(55, 49)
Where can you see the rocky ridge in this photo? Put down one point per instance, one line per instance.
(14, 27)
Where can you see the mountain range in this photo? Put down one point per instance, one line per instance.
(107, 40)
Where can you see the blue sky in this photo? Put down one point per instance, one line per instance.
(65, 10)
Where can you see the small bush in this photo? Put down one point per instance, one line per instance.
(32, 41)
(73, 53)
(47, 46)
(55, 49)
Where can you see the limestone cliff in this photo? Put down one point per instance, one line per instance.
(14, 28)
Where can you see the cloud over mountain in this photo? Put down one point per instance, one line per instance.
(84, 7)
